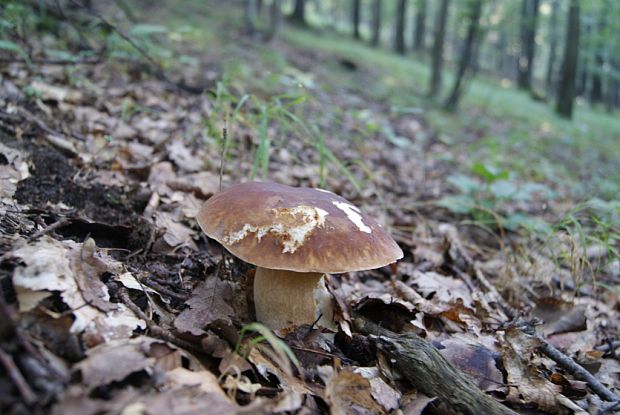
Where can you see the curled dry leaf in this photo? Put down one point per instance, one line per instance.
(348, 392)
(13, 169)
(73, 270)
(527, 383)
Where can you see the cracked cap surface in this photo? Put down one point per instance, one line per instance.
(295, 228)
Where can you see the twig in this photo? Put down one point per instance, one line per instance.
(163, 290)
(18, 379)
(52, 61)
(608, 347)
(51, 228)
(571, 366)
(154, 328)
(159, 70)
(608, 408)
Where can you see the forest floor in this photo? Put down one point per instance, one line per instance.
(114, 301)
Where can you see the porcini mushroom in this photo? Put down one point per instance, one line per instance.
(295, 236)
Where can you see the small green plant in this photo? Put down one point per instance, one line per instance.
(283, 353)
(487, 195)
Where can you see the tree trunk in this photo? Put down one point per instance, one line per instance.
(420, 26)
(437, 55)
(299, 13)
(566, 86)
(596, 90)
(355, 18)
(249, 17)
(376, 22)
(467, 55)
(553, 45)
(399, 34)
(275, 18)
(529, 19)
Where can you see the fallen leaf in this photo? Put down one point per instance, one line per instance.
(209, 303)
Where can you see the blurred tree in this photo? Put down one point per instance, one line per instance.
(399, 33)
(437, 54)
(525, 63)
(376, 22)
(275, 17)
(419, 30)
(249, 17)
(467, 58)
(566, 86)
(299, 13)
(596, 85)
(553, 45)
(355, 18)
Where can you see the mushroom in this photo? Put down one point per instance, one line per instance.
(295, 236)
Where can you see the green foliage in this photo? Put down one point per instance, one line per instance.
(265, 335)
(489, 195)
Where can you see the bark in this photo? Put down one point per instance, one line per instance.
(566, 86)
(399, 34)
(376, 22)
(275, 17)
(299, 13)
(438, 44)
(553, 45)
(466, 61)
(529, 20)
(355, 18)
(420, 26)
(596, 90)
(429, 372)
(249, 17)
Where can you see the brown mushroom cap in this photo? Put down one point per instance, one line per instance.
(299, 229)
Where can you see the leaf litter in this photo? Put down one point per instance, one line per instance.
(108, 282)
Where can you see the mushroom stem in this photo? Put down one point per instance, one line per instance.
(283, 298)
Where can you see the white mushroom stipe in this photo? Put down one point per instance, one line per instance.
(354, 216)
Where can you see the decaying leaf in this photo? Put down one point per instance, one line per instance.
(348, 393)
(210, 302)
(63, 267)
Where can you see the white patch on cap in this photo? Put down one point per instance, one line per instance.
(291, 237)
(322, 190)
(353, 213)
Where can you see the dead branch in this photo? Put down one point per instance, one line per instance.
(571, 366)
(153, 327)
(430, 372)
(18, 379)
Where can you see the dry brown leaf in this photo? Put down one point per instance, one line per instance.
(52, 265)
(347, 392)
(209, 303)
(527, 385)
(384, 394)
(183, 157)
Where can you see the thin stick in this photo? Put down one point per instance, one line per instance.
(51, 228)
(571, 366)
(155, 329)
(18, 379)
(223, 155)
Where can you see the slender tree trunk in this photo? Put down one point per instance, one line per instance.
(596, 90)
(275, 18)
(420, 26)
(437, 54)
(467, 55)
(376, 22)
(553, 45)
(299, 13)
(249, 17)
(355, 18)
(399, 34)
(529, 19)
(566, 86)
